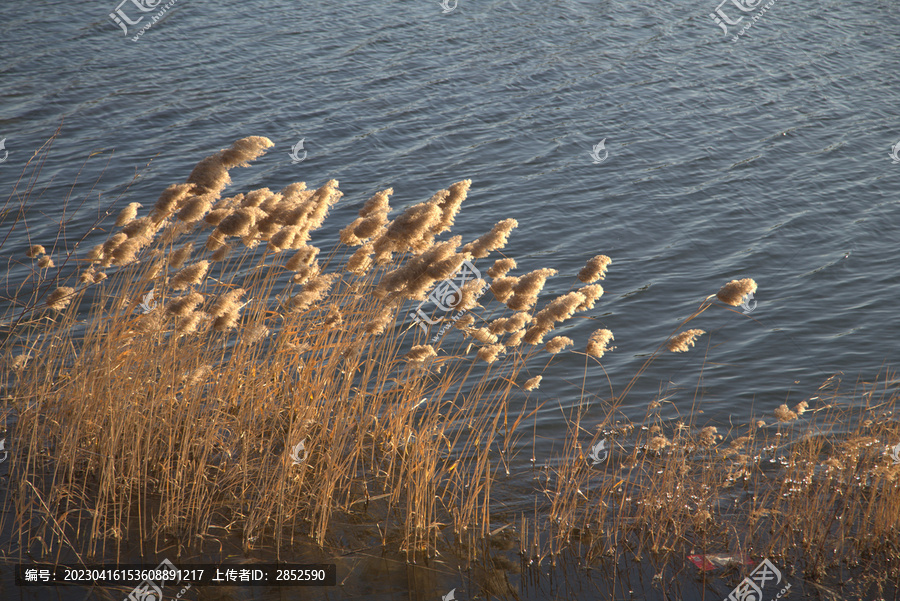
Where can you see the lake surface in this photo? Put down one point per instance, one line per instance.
(765, 157)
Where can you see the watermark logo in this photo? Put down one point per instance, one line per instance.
(598, 148)
(3, 450)
(300, 447)
(449, 596)
(745, 305)
(149, 590)
(445, 4)
(446, 295)
(750, 588)
(120, 18)
(745, 6)
(599, 453)
(895, 152)
(295, 149)
(145, 305)
(895, 454)
(5, 151)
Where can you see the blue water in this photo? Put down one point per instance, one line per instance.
(767, 157)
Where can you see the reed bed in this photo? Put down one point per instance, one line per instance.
(208, 372)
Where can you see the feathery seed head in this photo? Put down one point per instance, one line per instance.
(60, 298)
(127, 214)
(598, 343)
(557, 344)
(501, 267)
(595, 269)
(190, 275)
(35, 251)
(490, 353)
(683, 341)
(533, 383)
(179, 256)
(733, 292)
(420, 352)
(493, 240)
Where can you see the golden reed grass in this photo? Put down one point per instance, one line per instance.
(172, 415)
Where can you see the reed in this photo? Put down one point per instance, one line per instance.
(161, 389)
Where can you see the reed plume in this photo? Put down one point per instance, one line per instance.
(305, 256)
(470, 292)
(493, 240)
(733, 292)
(194, 208)
(501, 267)
(230, 302)
(420, 352)
(372, 218)
(450, 205)
(680, 343)
(592, 294)
(598, 343)
(595, 269)
(502, 287)
(784, 414)
(557, 344)
(490, 353)
(533, 383)
(184, 305)
(35, 251)
(179, 256)
(210, 176)
(127, 252)
(526, 290)
(190, 275)
(560, 309)
(169, 201)
(45, 262)
(60, 298)
(127, 214)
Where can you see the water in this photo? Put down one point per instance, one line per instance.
(766, 158)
